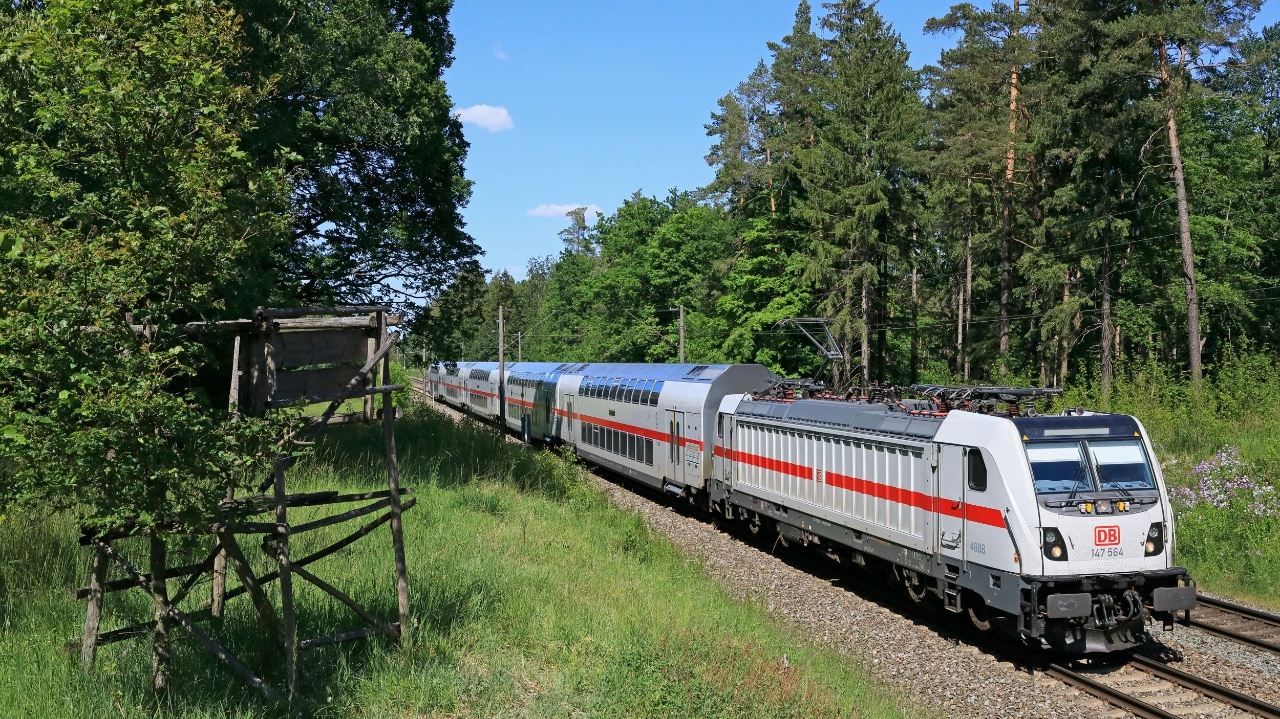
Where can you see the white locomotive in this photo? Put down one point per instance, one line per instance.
(1056, 528)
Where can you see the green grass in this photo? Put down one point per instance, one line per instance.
(536, 597)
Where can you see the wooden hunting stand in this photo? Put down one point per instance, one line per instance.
(280, 358)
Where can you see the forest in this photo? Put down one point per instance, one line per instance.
(1075, 188)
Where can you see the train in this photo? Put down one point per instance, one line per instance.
(1054, 529)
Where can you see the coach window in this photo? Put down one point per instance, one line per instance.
(633, 392)
(616, 393)
(977, 470)
(627, 386)
(657, 392)
(645, 390)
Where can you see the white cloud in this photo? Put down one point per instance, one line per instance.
(493, 119)
(554, 210)
(498, 52)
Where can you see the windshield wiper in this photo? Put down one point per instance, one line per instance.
(1075, 479)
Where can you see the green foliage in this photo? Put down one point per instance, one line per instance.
(1228, 515)
(125, 187)
(375, 153)
(534, 595)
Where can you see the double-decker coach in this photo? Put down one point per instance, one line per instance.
(645, 421)
(652, 422)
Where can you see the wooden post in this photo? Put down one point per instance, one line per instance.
(393, 484)
(219, 596)
(219, 590)
(375, 343)
(160, 659)
(289, 625)
(93, 614)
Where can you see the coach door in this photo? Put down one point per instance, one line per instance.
(949, 485)
(570, 429)
(675, 442)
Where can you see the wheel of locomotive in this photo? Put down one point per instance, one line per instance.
(915, 588)
(979, 612)
(908, 580)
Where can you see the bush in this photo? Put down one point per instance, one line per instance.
(1228, 522)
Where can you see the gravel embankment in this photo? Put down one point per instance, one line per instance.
(931, 667)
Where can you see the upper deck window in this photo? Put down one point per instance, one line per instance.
(1121, 464)
(1059, 467)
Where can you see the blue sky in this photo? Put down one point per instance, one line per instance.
(582, 103)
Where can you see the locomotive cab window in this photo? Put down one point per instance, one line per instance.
(1121, 464)
(1059, 467)
(976, 469)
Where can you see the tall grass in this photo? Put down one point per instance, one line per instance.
(534, 597)
(1220, 451)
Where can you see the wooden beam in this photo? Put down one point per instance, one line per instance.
(82, 593)
(311, 499)
(249, 583)
(341, 397)
(340, 518)
(282, 312)
(93, 614)
(335, 638)
(351, 603)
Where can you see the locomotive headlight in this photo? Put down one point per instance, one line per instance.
(1155, 539)
(1054, 548)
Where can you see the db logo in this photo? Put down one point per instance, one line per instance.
(1106, 536)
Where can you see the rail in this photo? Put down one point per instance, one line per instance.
(1227, 620)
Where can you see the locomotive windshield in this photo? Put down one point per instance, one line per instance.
(1089, 465)
(1121, 464)
(1059, 467)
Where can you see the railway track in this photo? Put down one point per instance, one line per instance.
(1128, 684)
(1150, 689)
(1239, 624)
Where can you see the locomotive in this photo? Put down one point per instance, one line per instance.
(1055, 529)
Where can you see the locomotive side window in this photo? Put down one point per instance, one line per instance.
(977, 470)
(1121, 464)
(1059, 467)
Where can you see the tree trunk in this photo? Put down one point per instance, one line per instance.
(160, 661)
(915, 327)
(866, 330)
(1184, 223)
(882, 322)
(959, 328)
(1104, 280)
(1065, 349)
(968, 299)
(1006, 222)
